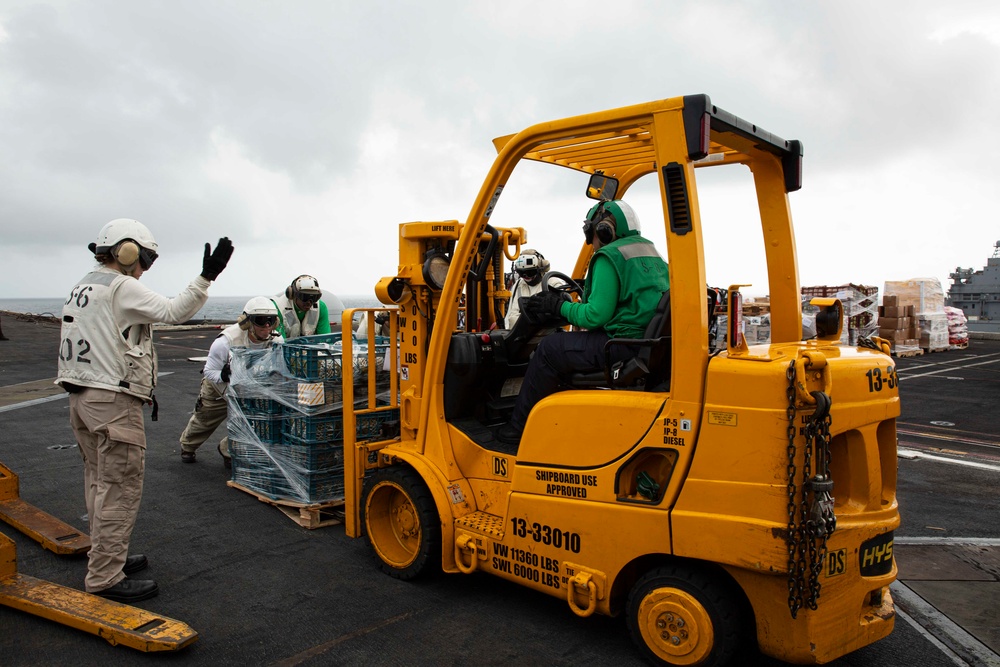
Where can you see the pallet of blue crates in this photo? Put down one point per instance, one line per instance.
(318, 358)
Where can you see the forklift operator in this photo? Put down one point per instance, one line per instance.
(625, 280)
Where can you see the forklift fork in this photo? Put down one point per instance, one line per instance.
(53, 534)
(115, 622)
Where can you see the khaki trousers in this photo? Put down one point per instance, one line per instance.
(210, 411)
(109, 429)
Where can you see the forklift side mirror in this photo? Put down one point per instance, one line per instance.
(602, 188)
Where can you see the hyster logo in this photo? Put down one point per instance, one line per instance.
(499, 466)
(876, 556)
(836, 562)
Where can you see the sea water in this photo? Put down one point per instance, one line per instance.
(217, 308)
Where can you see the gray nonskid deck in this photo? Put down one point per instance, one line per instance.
(260, 589)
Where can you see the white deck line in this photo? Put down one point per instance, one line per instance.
(49, 399)
(904, 453)
(967, 648)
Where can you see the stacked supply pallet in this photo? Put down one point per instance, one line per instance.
(898, 325)
(958, 328)
(927, 299)
(286, 417)
(860, 304)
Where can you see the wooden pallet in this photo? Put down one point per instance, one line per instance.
(932, 350)
(908, 353)
(307, 515)
(959, 346)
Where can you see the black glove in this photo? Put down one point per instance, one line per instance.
(543, 308)
(225, 373)
(214, 262)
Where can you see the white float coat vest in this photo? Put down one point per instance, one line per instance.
(522, 288)
(91, 354)
(238, 337)
(293, 328)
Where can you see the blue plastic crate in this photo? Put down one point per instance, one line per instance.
(318, 428)
(333, 394)
(268, 429)
(371, 426)
(318, 358)
(318, 487)
(252, 467)
(260, 406)
(314, 358)
(302, 455)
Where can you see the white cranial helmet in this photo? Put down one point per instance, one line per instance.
(260, 305)
(531, 260)
(118, 230)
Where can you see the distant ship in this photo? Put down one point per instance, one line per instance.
(977, 293)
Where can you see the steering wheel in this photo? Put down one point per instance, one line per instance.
(570, 286)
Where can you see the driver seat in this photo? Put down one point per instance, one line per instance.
(649, 367)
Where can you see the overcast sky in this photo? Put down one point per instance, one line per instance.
(307, 131)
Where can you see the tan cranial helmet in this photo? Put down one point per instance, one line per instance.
(304, 285)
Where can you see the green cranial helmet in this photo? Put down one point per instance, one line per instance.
(626, 221)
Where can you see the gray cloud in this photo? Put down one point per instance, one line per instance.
(114, 108)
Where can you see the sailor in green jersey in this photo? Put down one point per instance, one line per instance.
(625, 281)
(301, 310)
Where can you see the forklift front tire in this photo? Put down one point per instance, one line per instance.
(401, 522)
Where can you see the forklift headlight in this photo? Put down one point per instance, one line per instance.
(436, 269)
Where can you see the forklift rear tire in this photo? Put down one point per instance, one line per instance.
(683, 616)
(402, 523)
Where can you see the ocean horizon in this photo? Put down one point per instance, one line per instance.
(217, 308)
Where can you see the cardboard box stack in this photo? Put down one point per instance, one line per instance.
(927, 298)
(757, 321)
(898, 325)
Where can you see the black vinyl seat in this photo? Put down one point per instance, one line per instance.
(649, 366)
(648, 369)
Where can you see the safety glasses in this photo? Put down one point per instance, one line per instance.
(264, 320)
(146, 258)
(309, 298)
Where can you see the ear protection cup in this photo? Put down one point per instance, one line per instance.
(127, 253)
(243, 321)
(290, 290)
(605, 232)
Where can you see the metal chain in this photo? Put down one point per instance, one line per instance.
(816, 518)
(796, 563)
(866, 341)
(822, 520)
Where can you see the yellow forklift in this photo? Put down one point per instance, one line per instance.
(712, 496)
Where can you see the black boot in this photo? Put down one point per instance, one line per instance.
(130, 590)
(135, 564)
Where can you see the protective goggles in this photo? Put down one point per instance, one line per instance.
(263, 320)
(146, 258)
(309, 298)
(528, 274)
